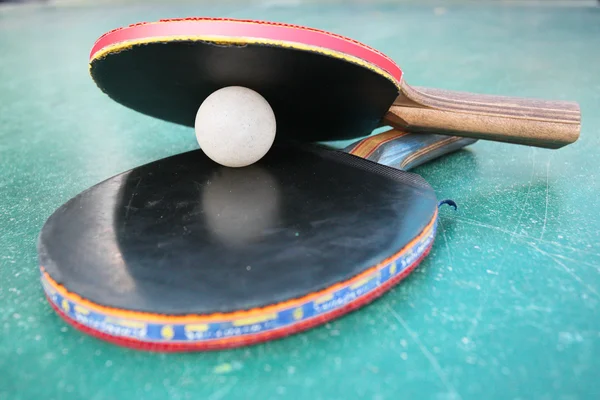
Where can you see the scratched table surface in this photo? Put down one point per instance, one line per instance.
(505, 307)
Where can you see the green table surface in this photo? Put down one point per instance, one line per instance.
(505, 307)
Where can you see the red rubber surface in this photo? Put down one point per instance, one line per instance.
(217, 27)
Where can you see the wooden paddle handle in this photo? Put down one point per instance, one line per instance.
(404, 150)
(540, 123)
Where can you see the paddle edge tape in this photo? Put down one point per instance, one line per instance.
(253, 31)
(240, 41)
(210, 332)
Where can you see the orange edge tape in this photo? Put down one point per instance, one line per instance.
(149, 317)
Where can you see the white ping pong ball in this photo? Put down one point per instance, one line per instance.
(235, 126)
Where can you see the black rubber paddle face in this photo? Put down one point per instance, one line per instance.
(184, 235)
(315, 97)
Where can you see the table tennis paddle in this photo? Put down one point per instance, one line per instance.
(321, 86)
(183, 254)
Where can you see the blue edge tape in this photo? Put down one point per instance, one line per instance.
(191, 332)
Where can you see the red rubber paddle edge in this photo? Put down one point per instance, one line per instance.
(233, 28)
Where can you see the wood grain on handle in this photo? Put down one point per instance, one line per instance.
(404, 150)
(540, 123)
